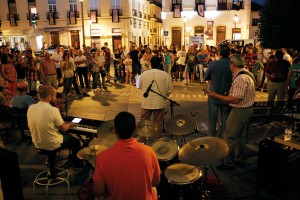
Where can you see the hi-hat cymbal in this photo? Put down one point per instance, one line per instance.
(89, 153)
(181, 125)
(147, 128)
(106, 133)
(204, 150)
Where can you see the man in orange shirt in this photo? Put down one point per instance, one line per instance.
(129, 169)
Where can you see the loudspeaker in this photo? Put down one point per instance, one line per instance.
(278, 167)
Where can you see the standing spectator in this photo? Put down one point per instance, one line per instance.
(220, 77)
(181, 55)
(241, 98)
(202, 59)
(134, 55)
(115, 166)
(82, 69)
(168, 60)
(98, 70)
(68, 72)
(20, 67)
(31, 71)
(48, 71)
(107, 56)
(287, 56)
(88, 56)
(293, 76)
(191, 62)
(9, 74)
(128, 68)
(57, 58)
(277, 72)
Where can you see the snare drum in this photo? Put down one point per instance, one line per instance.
(184, 181)
(166, 151)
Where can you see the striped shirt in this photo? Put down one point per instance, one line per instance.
(242, 87)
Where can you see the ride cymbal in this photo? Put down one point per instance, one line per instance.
(204, 150)
(147, 128)
(106, 133)
(89, 153)
(181, 125)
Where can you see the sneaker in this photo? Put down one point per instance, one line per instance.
(224, 167)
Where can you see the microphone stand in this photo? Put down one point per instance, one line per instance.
(172, 103)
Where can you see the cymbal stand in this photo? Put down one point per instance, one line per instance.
(196, 126)
(205, 191)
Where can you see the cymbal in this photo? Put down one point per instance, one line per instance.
(147, 128)
(181, 125)
(204, 150)
(89, 153)
(106, 133)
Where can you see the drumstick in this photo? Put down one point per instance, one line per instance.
(188, 171)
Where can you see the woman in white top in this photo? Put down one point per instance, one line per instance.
(128, 68)
(68, 72)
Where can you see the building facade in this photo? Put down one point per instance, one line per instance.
(212, 20)
(78, 22)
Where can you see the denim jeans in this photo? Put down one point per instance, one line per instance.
(67, 85)
(213, 112)
(96, 79)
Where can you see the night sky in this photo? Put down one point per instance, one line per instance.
(259, 1)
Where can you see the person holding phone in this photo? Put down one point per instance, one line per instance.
(48, 128)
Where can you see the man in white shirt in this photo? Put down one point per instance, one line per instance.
(153, 104)
(57, 58)
(82, 69)
(45, 123)
(181, 55)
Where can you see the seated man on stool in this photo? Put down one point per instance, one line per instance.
(128, 169)
(22, 100)
(45, 123)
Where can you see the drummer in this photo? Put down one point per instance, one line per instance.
(160, 81)
(128, 169)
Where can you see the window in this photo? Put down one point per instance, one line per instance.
(94, 4)
(116, 4)
(176, 1)
(255, 22)
(236, 33)
(52, 5)
(199, 1)
(133, 4)
(73, 5)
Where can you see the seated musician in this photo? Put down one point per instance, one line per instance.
(128, 169)
(22, 100)
(45, 123)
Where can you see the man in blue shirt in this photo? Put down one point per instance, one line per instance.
(21, 99)
(220, 78)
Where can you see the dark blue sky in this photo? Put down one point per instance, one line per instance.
(259, 1)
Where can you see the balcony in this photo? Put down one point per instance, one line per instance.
(134, 12)
(153, 17)
(76, 13)
(231, 6)
(97, 13)
(159, 20)
(120, 12)
(30, 16)
(140, 14)
(16, 16)
(153, 31)
(54, 14)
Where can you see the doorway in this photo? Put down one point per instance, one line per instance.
(55, 38)
(116, 41)
(221, 33)
(75, 39)
(176, 36)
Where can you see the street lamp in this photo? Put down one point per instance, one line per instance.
(90, 23)
(235, 19)
(82, 22)
(184, 24)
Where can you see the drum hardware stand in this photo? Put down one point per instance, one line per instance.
(196, 126)
(205, 192)
(172, 104)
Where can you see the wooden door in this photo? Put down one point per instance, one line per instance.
(116, 40)
(176, 36)
(75, 38)
(55, 38)
(221, 34)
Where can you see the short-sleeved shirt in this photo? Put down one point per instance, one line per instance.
(243, 87)
(80, 58)
(295, 69)
(127, 169)
(220, 75)
(22, 101)
(43, 122)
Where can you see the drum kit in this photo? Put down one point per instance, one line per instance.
(180, 166)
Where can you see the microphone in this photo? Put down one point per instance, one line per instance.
(146, 94)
